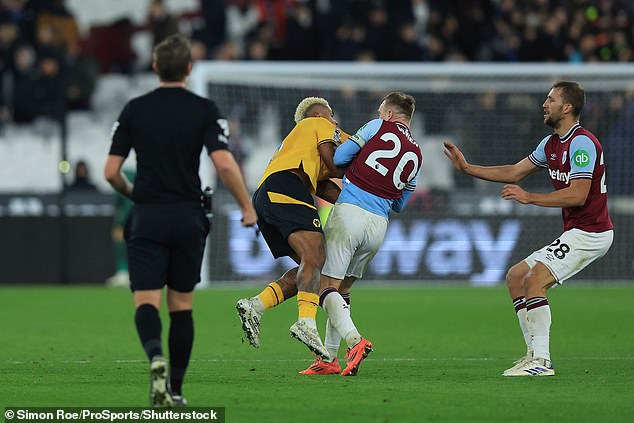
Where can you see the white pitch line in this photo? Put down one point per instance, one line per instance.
(246, 360)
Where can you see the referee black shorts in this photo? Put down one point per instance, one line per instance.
(284, 205)
(165, 246)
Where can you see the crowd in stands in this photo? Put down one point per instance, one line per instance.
(48, 65)
(52, 65)
(417, 30)
(42, 65)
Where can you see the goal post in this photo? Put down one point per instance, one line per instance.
(456, 228)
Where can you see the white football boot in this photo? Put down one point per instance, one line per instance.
(250, 319)
(309, 337)
(159, 394)
(520, 362)
(536, 367)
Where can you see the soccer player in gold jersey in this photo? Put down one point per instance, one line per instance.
(288, 219)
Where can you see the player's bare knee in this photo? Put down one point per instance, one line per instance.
(151, 296)
(533, 282)
(515, 276)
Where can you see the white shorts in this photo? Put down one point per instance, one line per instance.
(572, 252)
(353, 237)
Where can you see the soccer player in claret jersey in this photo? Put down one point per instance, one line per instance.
(288, 219)
(574, 159)
(382, 161)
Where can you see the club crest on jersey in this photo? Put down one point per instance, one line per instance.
(553, 156)
(563, 158)
(336, 136)
(317, 223)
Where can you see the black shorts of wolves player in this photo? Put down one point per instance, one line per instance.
(165, 245)
(284, 205)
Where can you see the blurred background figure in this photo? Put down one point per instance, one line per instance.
(82, 182)
(23, 101)
(121, 220)
(160, 21)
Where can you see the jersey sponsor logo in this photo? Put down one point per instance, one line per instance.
(559, 175)
(563, 158)
(581, 158)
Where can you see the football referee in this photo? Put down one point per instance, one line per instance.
(167, 128)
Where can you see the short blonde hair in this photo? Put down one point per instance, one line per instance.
(307, 103)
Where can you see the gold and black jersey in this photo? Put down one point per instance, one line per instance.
(299, 150)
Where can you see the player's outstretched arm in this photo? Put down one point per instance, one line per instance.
(229, 173)
(506, 173)
(573, 196)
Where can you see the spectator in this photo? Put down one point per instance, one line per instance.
(242, 17)
(24, 104)
(82, 81)
(82, 182)
(380, 34)
(212, 33)
(302, 38)
(50, 88)
(111, 46)
(64, 26)
(407, 47)
(22, 15)
(161, 23)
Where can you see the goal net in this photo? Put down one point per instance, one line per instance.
(456, 228)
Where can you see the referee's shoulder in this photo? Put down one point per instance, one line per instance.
(140, 99)
(208, 102)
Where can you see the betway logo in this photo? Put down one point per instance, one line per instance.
(461, 248)
(559, 176)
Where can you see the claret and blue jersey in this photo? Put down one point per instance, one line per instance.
(577, 155)
(383, 162)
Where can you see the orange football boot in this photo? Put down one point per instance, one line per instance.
(320, 367)
(355, 356)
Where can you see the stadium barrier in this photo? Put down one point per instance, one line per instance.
(40, 245)
(419, 247)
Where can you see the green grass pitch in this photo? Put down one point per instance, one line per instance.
(439, 353)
